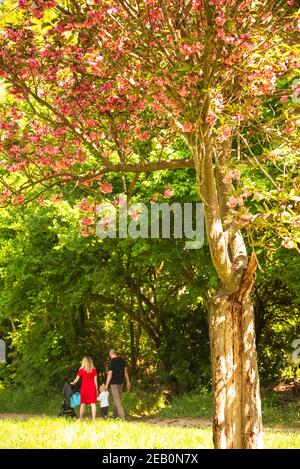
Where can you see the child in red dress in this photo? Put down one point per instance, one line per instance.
(89, 386)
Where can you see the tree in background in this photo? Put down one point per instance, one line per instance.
(277, 317)
(77, 295)
(82, 296)
(91, 80)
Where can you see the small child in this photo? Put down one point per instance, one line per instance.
(103, 398)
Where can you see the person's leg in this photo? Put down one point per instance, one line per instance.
(103, 412)
(94, 411)
(116, 390)
(122, 409)
(114, 409)
(81, 412)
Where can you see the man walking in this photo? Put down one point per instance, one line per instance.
(117, 373)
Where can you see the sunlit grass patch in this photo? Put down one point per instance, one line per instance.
(52, 433)
(281, 440)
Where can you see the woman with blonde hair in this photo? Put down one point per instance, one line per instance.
(89, 386)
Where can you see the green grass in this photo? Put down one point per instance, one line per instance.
(281, 410)
(189, 405)
(29, 402)
(51, 432)
(59, 433)
(278, 409)
(280, 440)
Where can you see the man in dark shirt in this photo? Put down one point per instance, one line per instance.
(117, 373)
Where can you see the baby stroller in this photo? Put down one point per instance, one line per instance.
(71, 400)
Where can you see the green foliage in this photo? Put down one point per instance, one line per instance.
(64, 296)
(277, 302)
(31, 400)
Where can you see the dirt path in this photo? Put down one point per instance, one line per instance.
(202, 423)
(175, 422)
(19, 416)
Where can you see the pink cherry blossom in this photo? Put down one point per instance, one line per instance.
(220, 20)
(288, 243)
(133, 214)
(144, 135)
(57, 197)
(284, 99)
(14, 167)
(87, 232)
(235, 174)
(120, 201)
(197, 5)
(85, 206)
(106, 221)
(210, 118)
(227, 180)
(34, 64)
(188, 127)
(296, 89)
(86, 222)
(106, 187)
(234, 201)
(183, 91)
(5, 194)
(226, 133)
(23, 3)
(19, 200)
(289, 128)
(168, 193)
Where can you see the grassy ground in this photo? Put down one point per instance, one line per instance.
(52, 432)
(281, 418)
(278, 409)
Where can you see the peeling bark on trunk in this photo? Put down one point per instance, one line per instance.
(237, 421)
(237, 408)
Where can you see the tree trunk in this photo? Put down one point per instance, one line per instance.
(138, 333)
(237, 421)
(132, 349)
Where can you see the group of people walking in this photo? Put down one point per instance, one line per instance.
(116, 377)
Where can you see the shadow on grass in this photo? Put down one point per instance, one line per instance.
(278, 409)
